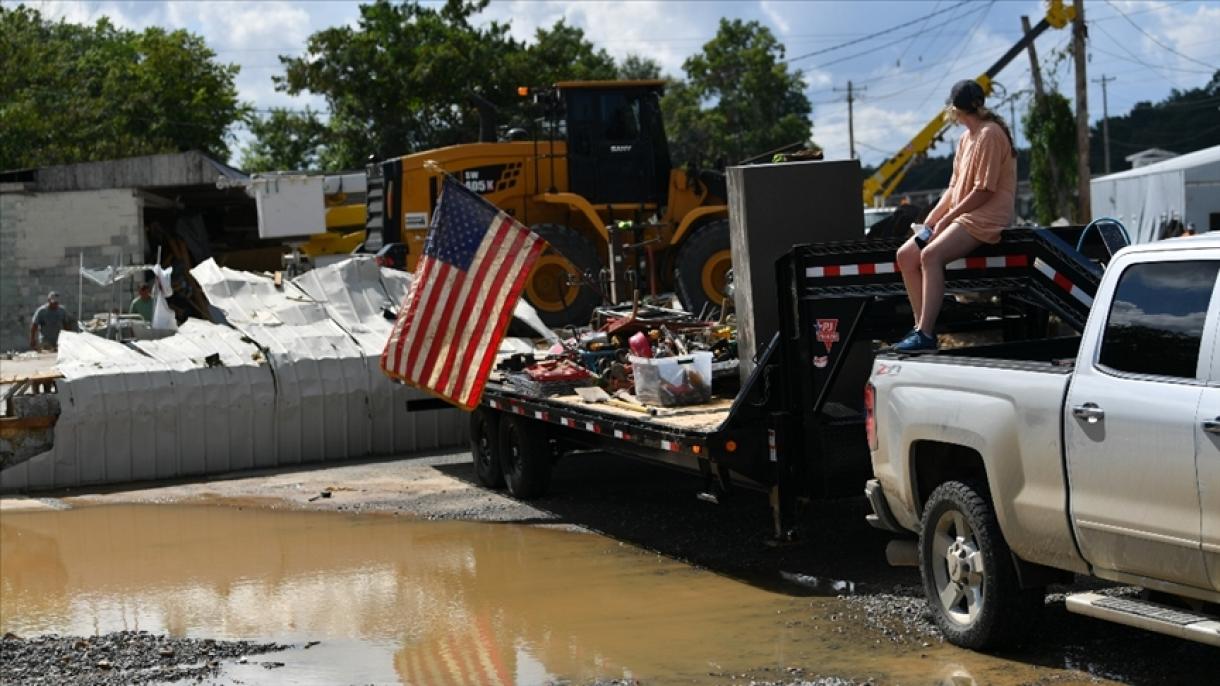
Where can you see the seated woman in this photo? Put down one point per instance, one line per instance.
(977, 206)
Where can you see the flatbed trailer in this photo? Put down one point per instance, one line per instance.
(796, 427)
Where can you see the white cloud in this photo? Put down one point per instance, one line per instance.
(771, 11)
(77, 12)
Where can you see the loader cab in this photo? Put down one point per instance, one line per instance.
(617, 150)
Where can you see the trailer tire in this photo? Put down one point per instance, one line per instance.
(568, 256)
(525, 456)
(702, 266)
(485, 447)
(969, 577)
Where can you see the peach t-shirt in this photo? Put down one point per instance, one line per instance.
(985, 160)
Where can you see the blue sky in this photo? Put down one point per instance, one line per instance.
(906, 73)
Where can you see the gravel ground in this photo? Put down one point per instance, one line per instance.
(124, 657)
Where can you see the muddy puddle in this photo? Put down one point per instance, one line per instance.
(396, 600)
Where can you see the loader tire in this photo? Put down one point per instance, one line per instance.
(525, 457)
(485, 447)
(703, 262)
(969, 577)
(559, 284)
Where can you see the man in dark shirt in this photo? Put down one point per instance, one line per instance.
(49, 320)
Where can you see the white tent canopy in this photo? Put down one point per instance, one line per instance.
(1186, 188)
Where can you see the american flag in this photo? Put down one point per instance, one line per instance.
(466, 284)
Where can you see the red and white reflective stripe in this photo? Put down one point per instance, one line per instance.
(590, 426)
(619, 433)
(870, 268)
(771, 445)
(518, 409)
(495, 404)
(1063, 282)
(568, 421)
(671, 446)
(538, 414)
(993, 262)
(851, 269)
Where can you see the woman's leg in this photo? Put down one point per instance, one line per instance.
(953, 244)
(912, 275)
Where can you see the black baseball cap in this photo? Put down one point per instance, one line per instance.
(966, 95)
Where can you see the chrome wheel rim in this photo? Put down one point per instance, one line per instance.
(957, 568)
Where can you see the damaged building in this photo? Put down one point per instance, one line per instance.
(54, 219)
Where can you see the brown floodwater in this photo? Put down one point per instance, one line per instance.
(399, 600)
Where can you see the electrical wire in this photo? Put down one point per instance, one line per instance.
(965, 43)
(875, 34)
(1157, 41)
(1136, 58)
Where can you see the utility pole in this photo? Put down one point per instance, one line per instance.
(1012, 120)
(1105, 117)
(1035, 71)
(1084, 208)
(851, 129)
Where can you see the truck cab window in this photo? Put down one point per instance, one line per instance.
(1155, 325)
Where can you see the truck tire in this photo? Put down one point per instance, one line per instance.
(525, 457)
(568, 257)
(968, 574)
(703, 262)
(485, 447)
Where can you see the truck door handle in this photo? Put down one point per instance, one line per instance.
(1090, 412)
(1211, 426)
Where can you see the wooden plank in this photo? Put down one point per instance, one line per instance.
(34, 378)
(13, 426)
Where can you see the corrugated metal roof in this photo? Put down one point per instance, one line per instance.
(297, 380)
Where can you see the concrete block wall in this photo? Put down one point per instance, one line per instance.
(42, 237)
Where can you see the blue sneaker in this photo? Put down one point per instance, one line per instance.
(916, 342)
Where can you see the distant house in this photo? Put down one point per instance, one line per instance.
(1144, 158)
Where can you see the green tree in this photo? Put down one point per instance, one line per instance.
(400, 80)
(740, 98)
(284, 140)
(562, 53)
(636, 67)
(1183, 122)
(76, 93)
(1050, 128)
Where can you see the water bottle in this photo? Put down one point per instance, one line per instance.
(923, 234)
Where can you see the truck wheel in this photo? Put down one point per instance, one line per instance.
(703, 264)
(556, 286)
(968, 574)
(525, 456)
(485, 446)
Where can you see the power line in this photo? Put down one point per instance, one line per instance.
(1136, 58)
(1155, 40)
(873, 35)
(960, 52)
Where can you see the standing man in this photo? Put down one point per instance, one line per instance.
(49, 320)
(143, 303)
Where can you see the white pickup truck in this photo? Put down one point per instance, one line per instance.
(1023, 464)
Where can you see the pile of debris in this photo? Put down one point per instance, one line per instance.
(633, 356)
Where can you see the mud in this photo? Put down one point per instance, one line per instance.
(619, 576)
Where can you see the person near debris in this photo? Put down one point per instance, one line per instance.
(978, 205)
(143, 302)
(49, 320)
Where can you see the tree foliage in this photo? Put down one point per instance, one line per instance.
(739, 100)
(75, 93)
(1050, 128)
(637, 67)
(284, 140)
(1183, 122)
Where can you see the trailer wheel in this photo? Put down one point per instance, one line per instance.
(968, 575)
(556, 286)
(703, 264)
(485, 446)
(525, 455)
